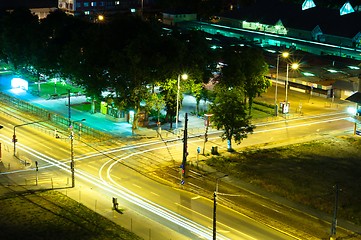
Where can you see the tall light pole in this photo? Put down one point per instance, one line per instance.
(294, 66)
(20, 125)
(184, 77)
(284, 55)
(215, 208)
(72, 163)
(0, 143)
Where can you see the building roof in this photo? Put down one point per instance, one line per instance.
(292, 16)
(356, 98)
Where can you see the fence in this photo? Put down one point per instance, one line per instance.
(58, 120)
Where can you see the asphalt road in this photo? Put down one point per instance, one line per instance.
(186, 215)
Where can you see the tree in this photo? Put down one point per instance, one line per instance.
(169, 91)
(254, 70)
(245, 69)
(133, 68)
(156, 102)
(18, 37)
(86, 62)
(230, 115)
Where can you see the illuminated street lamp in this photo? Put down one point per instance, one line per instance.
(284, 55)
(215, 208)
(294, 66)
(184, 77)
(100, 18)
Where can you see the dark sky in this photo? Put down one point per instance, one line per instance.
(28, 3)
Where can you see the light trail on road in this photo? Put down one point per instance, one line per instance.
(115, 189)
(195, 228)
(175, 140)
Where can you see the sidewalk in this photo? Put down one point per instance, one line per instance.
(300, 104)
(103, 123)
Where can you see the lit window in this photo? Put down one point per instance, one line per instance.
(117, 2)
(86, 12)
(86, 4)
(94, 4)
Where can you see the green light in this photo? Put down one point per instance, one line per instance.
(353, 67)
(308, 74)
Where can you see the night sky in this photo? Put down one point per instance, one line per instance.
(27, 3)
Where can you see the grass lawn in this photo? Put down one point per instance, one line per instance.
(304, 173)
(47, 89)
(52, 215)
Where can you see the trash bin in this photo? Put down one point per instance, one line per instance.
(214, 150)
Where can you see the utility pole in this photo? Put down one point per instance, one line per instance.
(37, 170)
(185, 148)
(215, 208)
(334, 219)
(206, 123)
(72, 158)
(69, 111)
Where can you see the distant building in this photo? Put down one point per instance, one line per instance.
(97, 7)
(340, 27)
(173, 17)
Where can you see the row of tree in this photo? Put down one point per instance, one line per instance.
(132, 57)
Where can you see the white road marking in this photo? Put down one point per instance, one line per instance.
(194, 198)
(155, 194)
(135, 185)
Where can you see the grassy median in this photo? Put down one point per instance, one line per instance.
(51, 215)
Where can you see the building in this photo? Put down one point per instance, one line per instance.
(97, 7)
(172, 18)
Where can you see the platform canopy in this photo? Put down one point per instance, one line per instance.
(356, 98)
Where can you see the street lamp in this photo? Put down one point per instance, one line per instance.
(294, 66)
(184, 77)
(0, 143)
(24, 124)
(284, 55)
(215, 208)
(100, 18)
(72, 152)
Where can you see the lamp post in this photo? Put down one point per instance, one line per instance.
(215, 208)
(20, 125)
(0, 143)
(72, 167)
(184, 77)
(284, 55)
(294, 66)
